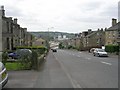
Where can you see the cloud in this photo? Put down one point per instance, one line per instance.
(14, 12)
(63, 15)
(111, 11)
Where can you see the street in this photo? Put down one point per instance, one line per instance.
(89, 71)
(73, 69)
(70, 69)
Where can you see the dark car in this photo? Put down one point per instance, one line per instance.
(54, 50)
(13, 55)
(20, 53)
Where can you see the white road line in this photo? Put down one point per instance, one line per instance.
(106, 63)
(88, 58)
(73, 82)
(70, 54)
(103, 58)
(78, 56)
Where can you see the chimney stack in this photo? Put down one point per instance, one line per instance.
(15, 20)
(105, 29)
(2, 11)
(101, 29)
(98, 29)
(89, 31)
(114, 21)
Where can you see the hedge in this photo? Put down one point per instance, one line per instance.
(112, 48)
(31, 47)
(39, 49)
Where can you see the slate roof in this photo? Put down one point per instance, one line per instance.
(94, 32)
(115, 27)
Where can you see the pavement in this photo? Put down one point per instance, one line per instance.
(21, 79)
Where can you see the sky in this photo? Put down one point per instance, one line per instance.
(72, 16)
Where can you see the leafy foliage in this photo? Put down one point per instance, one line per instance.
(61, 46)
(112, 48)
(4, 57)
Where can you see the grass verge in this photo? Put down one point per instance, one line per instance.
(15, 66)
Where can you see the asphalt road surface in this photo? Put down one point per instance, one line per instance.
(73, 69)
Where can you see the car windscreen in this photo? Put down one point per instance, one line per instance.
(101, 50)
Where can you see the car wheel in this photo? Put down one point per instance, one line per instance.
(98, 55)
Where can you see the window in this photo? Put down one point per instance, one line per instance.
(7, 25)
(8, 43)
(42, 42)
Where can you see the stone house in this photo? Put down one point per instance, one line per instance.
(39, 42)
(112, 35)
(12, 35)
(96, 39)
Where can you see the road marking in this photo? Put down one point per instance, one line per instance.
(103, 58)
(73, 82)
(78, 56)
(70, 54)
(88, 58)
(106, 63)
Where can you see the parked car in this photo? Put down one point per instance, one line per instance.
(54, 50)
(92, 50)
(13, 55)
(20, 53)
(100, 52)
(3, 74)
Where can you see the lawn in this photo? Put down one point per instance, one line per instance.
(14, 66)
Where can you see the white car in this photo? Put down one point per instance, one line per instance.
(100, 52)
(3, 75)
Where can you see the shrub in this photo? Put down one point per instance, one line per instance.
(34, 59)
(112, 48)
(70, 47)
(61, 46)
(4, 57)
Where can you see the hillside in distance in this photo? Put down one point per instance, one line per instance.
(51, 35)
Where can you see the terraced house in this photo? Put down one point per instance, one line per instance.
(13, 34)
(96, 38)
(112, 34)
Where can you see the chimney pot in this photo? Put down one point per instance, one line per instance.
(2, 7)
(2, 11)
(101, 29)
(98, 29)
(15, 20)
(114, 21)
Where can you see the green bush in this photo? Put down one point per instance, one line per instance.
(39, 49)
(34, 59)
(4, 57)
(70, 47)
(31, 47)
(112, 48)
(61, 46)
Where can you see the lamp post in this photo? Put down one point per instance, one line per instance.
(49, 33)
(49, 37)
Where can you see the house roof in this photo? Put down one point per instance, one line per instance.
(40, 40)
(94, 32)
(115, 27)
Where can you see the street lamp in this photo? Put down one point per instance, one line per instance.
(49, 34)
(48, 40)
